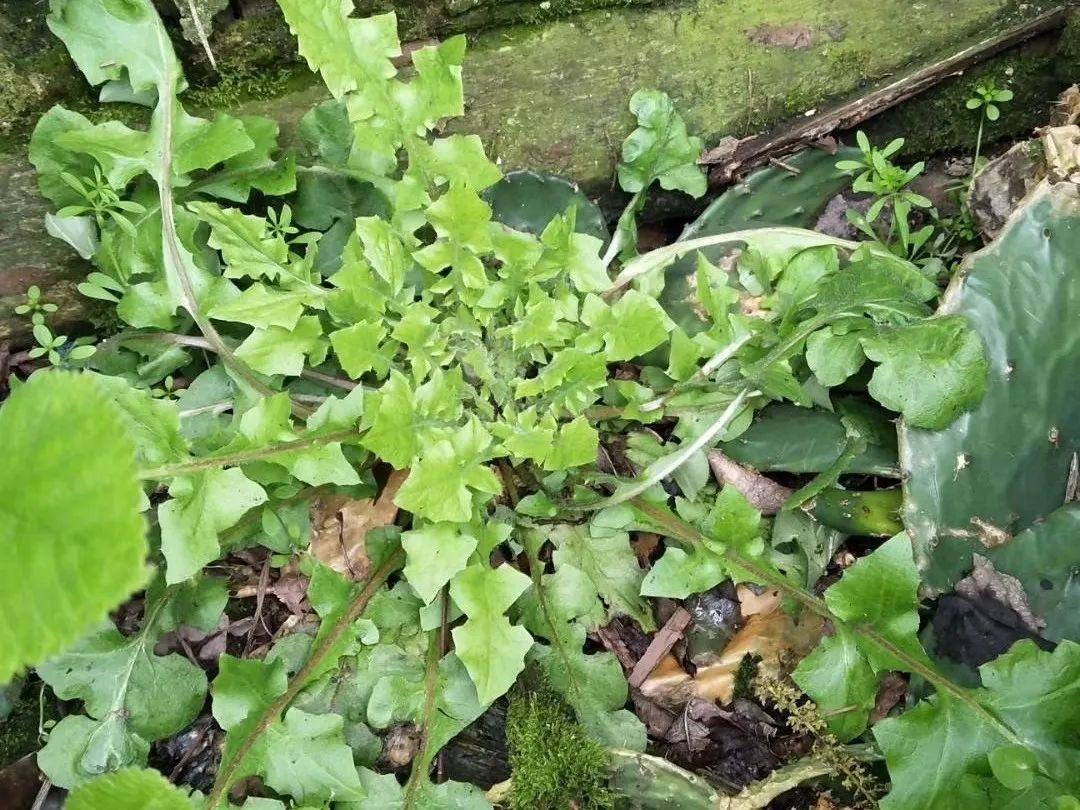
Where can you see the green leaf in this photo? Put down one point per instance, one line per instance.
(264, 307)
(492, 649)
(575, 446)
(401, 421)
(604, 556)
(114, 40)
(121, 152)
(349, 53)
(659, 149)
(270, 422)
(359, 349)
(576, 254)
(833, 356)
(678, 574)
(635, 325)
(306, 757)
(68, 456)
(256, 168)
(931, 372)
(283, 351)
(202, 506)
(129, 789)
(247, 247)
(133, 696)
(880, 592)
(442, 482)
(562, 609)
(934, 750)
(435, 553)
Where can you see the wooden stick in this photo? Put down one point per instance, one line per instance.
(730, 159)
(665, 638)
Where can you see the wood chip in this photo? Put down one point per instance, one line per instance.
(661, 645)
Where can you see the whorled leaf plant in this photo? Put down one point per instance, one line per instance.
(383, 318)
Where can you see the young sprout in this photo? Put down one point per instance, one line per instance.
(34, 304)
(52, 346)
(101, 200)
(890, 185)
(987, 99)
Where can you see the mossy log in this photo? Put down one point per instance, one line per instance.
(549, 96)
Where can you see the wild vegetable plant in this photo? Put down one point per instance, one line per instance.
(381, 319)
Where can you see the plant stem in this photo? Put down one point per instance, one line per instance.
(421, 764)
(978, 152)
(714, 362)
(675, 460)
(616, 243)
(272, 712)
(245, 456)
(678, 529)
(660, 257)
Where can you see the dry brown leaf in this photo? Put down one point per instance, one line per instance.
(762, 492)
(769, 633)
(340, 526)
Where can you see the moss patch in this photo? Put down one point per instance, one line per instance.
(555, 764)
(939, 121)
(19, 728)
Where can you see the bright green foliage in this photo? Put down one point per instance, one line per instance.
(942, 754)
(931, 372)
(129, 789)
(879, 591)
(555, 764)
(492, 649)
(659, 150)
(604, 556)
(71, 502)
(483, 358)
(202, 506)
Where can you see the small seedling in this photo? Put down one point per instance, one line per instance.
(55, 347)
(101, 200)
(891, 187)
(34, 304)
(987, 100)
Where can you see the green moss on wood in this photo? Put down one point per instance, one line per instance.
(555, 764)
(940, 122)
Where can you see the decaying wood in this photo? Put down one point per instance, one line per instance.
(666, 638)
(732, 158)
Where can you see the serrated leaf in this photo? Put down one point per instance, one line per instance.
(306, 757)
(635, 325)
(443, 480)
(606, 558)
(133, 697)
(562, 610)
(249, 250)
(492, 649)
(935, 751)
(931, 372)
(129, 789)
(678, 573)
(263, 307)
(660, 149)
(71, 500)
(202, 506)
(284, 351)
(881, 592)
(434, 554)
(349, 53)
